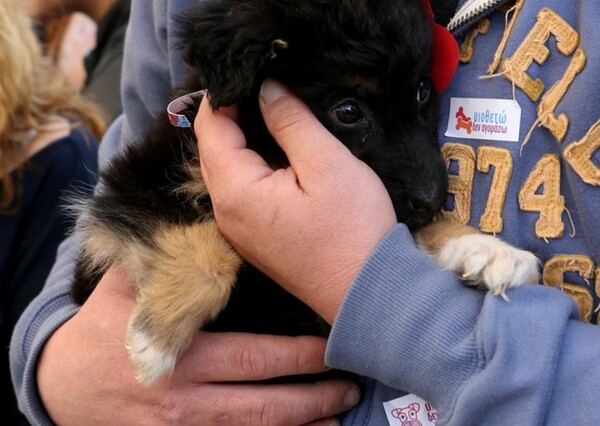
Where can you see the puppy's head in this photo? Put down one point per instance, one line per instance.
(364, 67)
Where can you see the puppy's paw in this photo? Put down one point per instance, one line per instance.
(149, 359)
(485, 261)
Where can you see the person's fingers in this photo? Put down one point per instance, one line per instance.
(287, 405)
(248, 357)
(222, 147)
(234, 174)
(312, 150)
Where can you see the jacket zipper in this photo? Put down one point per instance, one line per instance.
(471, 10)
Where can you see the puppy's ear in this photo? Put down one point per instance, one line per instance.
(226, 44)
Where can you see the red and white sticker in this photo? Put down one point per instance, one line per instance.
(485, 119)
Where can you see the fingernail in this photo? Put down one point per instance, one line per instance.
(351, 398)
(272, 90)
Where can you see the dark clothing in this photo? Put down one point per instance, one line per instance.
(30, 236)
(443, 10)
(104, 63)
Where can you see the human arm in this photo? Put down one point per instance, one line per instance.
(60, 369)
(53, 306)
(84, 375)
(397, 317)
(194, 393)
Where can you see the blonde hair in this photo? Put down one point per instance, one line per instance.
(32, 91)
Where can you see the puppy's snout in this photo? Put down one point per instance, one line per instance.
(419, 205)
(426, 201)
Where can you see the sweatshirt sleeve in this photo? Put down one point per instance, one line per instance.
(475, 357)
(145, 87)
(48, 311)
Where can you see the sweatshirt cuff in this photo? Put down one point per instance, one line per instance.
(397, 325)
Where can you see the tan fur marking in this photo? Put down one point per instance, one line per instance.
(550, 204)
(193, 187)
(366, 85)
(579, 156)
(461, 184)
(431, 238)
(102, 248)
(189, 285)
(554, 271)
(534, 48)
(491, 221)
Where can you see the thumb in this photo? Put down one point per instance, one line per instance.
(311, 149)
(225, 162)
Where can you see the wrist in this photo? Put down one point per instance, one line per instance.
(327, 298)
(342, 270)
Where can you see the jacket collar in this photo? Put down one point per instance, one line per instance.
(471, 10)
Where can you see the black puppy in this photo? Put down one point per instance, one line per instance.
(364, 67)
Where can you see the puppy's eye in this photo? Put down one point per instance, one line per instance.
(423, 91)
(348, 112)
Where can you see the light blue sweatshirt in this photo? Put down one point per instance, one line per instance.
(473, 357)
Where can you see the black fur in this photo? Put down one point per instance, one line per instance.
(444, 10)
(366, 62)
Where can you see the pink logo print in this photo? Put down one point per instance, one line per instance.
(408, 415)
(463, 122)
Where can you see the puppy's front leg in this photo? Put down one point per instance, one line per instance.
(189, 283)
(479, 259)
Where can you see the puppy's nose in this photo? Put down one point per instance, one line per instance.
(426, 202)
(418, 205)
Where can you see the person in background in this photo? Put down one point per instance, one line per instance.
(85, 39)
(48, 152)
(66, 41)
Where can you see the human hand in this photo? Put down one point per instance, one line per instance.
(84, 375)
(309, 226)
